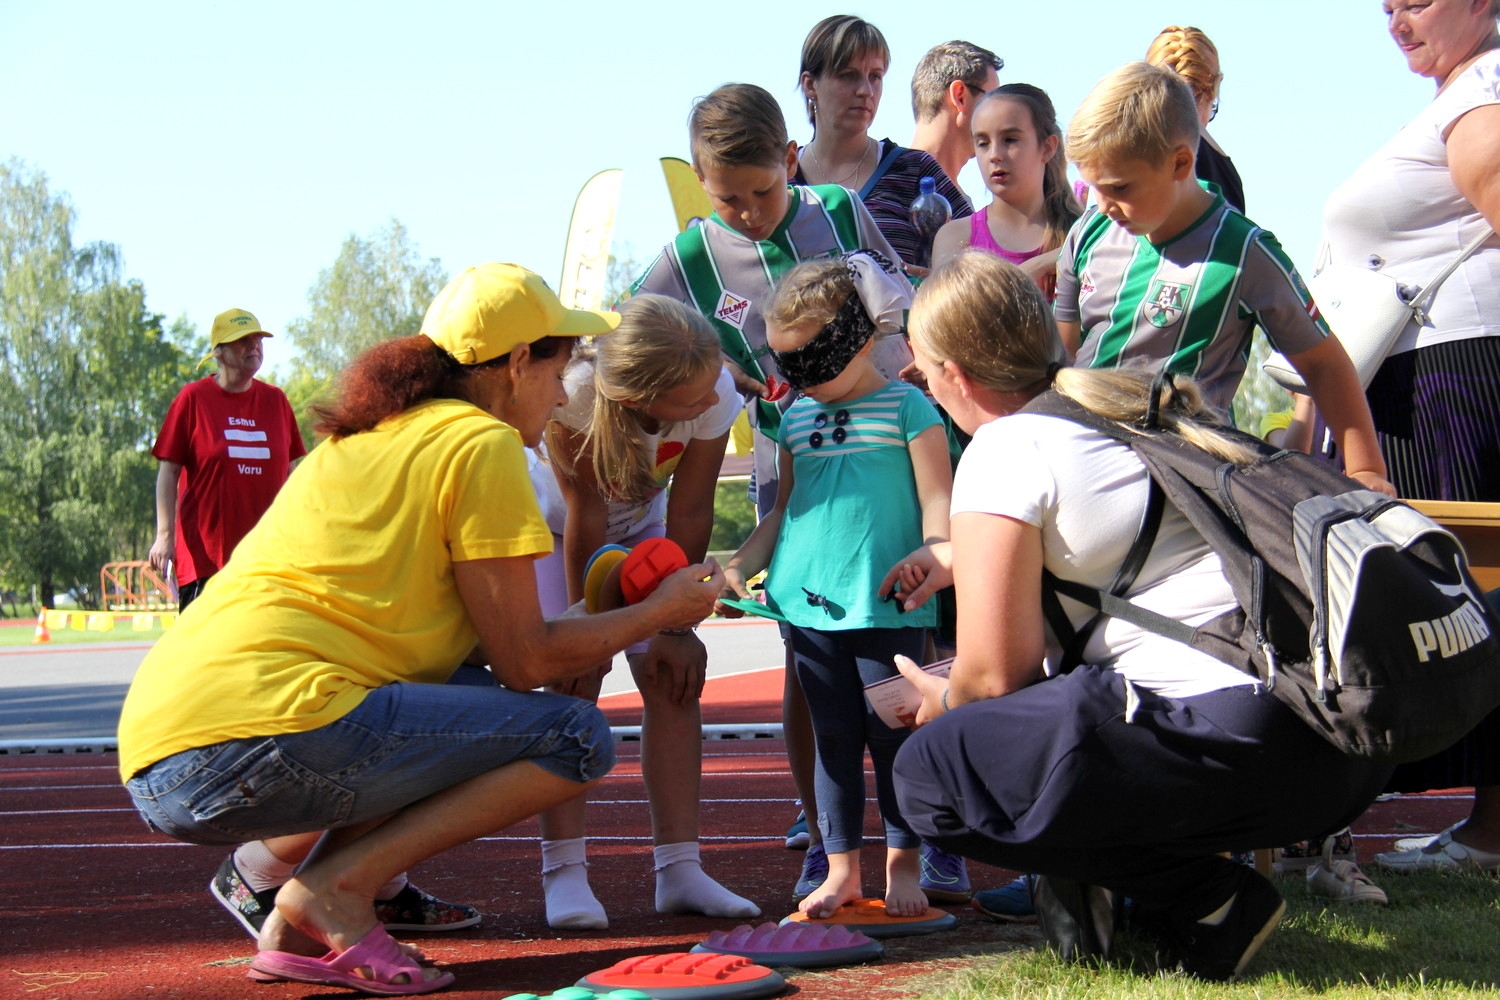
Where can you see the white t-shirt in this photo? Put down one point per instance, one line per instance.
(625, 519)
(1087, 494)
(1401, 214)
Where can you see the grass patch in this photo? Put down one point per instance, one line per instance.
(1439, 938)
(18, 636)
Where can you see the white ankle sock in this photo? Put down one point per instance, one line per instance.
(571, 904)
(261, 869)
(395, 885)
(683, 887)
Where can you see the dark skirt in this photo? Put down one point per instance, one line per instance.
(1437, 415)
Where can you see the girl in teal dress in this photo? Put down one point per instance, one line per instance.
(865, 481)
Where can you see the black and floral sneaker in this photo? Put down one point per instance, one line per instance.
(411, 909)
(246, 905)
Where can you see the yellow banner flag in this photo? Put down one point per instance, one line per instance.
(590, 233)
(689, 202)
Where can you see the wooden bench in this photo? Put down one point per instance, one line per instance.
(1477, 526)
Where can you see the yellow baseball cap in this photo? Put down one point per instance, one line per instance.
(489, 309)
(232, 324)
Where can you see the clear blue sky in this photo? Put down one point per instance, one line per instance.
(229, 149)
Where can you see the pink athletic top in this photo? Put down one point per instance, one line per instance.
(980, 239)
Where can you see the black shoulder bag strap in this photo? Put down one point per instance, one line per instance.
(1111, 602)
(1074, 640)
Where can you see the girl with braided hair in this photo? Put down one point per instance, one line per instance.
(1189, 53)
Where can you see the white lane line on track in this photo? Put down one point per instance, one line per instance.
(747, 838)
(592, 802)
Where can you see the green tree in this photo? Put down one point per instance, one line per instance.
(1258, 394)
(86, 375)
(377, 288)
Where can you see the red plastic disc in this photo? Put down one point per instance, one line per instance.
(648, 564)
(685, 976)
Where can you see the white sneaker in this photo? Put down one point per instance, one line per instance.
(1341, 879)
(1417, 843)
(1443, 854)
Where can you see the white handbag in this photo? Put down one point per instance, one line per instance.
(1367, 311)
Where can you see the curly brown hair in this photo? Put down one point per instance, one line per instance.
(395, 375)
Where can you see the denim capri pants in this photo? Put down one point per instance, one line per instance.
(401, 744)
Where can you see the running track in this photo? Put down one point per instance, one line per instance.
(100, 907)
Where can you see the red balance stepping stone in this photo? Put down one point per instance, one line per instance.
(684, 976)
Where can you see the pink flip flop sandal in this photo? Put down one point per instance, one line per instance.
(376, 951)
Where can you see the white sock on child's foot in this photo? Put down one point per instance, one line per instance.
(261, 869)
(683, 887)
(571, 904)
(395, 885)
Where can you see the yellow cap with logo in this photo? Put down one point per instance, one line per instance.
(229, 326)
(232, 324)
(490, 309)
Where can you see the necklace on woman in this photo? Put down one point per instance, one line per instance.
(827, 177)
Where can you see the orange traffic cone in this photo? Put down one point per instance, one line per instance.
(42, 635)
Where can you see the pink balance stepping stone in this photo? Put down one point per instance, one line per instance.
(800, 945)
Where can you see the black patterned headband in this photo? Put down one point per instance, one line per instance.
(876, 305)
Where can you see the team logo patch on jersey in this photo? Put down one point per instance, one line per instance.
(1166, 303)
(732, 309)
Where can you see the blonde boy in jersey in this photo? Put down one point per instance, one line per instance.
(1162, 272)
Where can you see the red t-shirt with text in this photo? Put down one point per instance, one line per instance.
(235, 449)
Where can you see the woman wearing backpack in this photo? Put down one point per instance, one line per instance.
(1133, 771)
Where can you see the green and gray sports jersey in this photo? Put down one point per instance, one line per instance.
(729, 277)
(1188, 304)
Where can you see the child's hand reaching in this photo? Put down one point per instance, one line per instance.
(735, 585)
(920, 575)
(744, 384)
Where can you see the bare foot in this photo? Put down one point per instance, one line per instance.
(303, 916)
(904, 897)
(278, 935)
(903, 893)
(840, 887)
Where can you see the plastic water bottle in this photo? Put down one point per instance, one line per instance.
(929, 213)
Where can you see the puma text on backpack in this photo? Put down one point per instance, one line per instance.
(1355, 610)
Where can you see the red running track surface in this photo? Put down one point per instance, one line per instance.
(98, 906)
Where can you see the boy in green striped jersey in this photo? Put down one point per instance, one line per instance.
(727, 269)
(761, 228)
(1162, 272)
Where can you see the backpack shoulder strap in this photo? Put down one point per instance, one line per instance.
(881, 168)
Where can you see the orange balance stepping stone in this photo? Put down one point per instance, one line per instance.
(869, 917)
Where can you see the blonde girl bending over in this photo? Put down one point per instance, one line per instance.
(649, 405)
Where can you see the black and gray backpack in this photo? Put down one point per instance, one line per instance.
(1356, 610)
